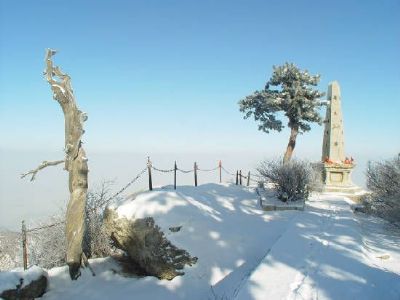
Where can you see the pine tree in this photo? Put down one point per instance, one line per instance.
(290, 91)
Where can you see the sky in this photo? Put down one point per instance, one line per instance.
(163, 78)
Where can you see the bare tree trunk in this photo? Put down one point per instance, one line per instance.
(292, 143)
(75, 163)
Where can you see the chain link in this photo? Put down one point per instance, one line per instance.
(161, 170)
(185, 171)
(227, 171)
(45, 227)
(208, 170)
(124, 188)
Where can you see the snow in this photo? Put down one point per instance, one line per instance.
(10, 279)
(323, 252)
(331, 259)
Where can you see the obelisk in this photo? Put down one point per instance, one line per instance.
(336, 166)
(333, 146)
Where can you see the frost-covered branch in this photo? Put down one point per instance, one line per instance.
(43, 165)
(383, 179)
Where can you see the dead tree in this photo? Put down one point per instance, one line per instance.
(75, 163)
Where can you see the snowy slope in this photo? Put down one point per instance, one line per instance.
(325, 252)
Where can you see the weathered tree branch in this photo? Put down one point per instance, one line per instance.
(64, 95)
(75, 162)
(43, 165)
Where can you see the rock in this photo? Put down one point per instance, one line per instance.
(36, 288)
(147, 245)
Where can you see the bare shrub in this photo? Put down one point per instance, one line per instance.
(383, 179)
(10, 250)
(47, 242)
(292, 180)
(47, 246)
(97, 242)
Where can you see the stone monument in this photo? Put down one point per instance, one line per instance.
(336, 171)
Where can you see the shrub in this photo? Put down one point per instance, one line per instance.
(292, 180)
(10, 250)
(97, 242)
(383, 180)
(47, 246)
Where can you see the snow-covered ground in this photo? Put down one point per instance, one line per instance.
(329, 253)
(9, 280)
(323, 252)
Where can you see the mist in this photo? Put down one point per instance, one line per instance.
(47, 195)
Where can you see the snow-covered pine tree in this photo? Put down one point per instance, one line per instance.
(290, 91)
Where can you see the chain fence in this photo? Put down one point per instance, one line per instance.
(44, 227)
(108, 200)
(149, 166)
(161, 170)
(49, 236)
(208, 170)
(227, 172)
(185, 171)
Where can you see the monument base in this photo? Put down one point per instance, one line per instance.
(341, 189)
(336, 178)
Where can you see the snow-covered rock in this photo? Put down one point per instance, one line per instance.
(20, 284)
(147, 245)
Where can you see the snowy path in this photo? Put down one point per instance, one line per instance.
(323, 255)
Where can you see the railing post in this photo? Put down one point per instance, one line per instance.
(220, 173)
(149, 171)
(24, 246)
(175, 167)
(195, 174)
(237, 177)
(248, 179)
(240, 177)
